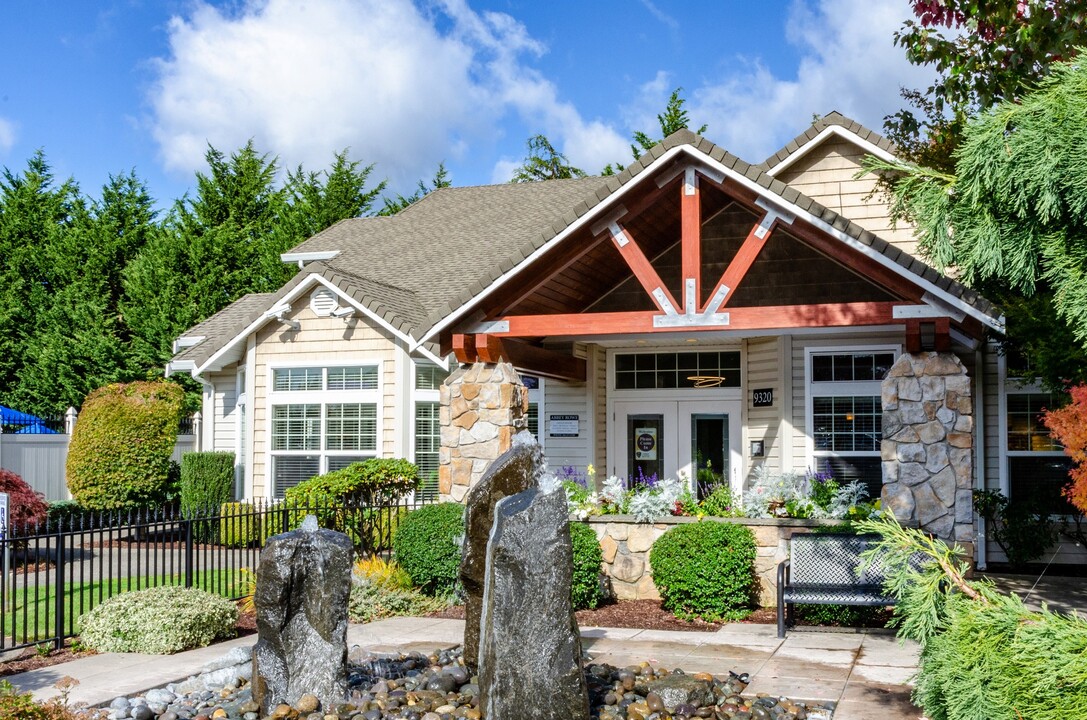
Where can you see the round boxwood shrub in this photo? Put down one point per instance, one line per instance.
(427, 546)
(120, 451)
(705, 570)
(158, 621)
(585, 591)
(27, 507)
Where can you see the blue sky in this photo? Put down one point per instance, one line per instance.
(116, 85)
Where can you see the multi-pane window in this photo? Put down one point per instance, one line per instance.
(428, 440)
(322, 419)
(647, 371)
(846, 414)
(1037, 466)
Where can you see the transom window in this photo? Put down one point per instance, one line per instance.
(322, 419)
(847, 415)
(644, 371)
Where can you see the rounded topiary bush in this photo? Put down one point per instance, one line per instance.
(705, 570)
(120, 451)
(585, 591)
(158, 621)
(27, 507)
(428, 546)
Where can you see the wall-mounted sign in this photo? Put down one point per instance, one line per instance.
(4, 518)
(763, 397)
(563, 425)
(645, 443)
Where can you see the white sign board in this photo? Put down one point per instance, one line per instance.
(4, 516)
(645, 443)
(563, 425)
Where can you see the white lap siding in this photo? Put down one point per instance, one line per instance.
(764, 371)
(224, 408)
(566, 398)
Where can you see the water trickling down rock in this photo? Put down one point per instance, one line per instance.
(516, 470)
(303, 582)
(530, 647)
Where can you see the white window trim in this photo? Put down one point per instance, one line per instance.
(241, 430)
(1011, 386)
(837, 389)
(322, 398)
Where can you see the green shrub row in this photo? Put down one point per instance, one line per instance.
(586, 591)
(207, 481)
(427, 546)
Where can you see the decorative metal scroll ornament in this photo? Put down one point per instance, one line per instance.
(706, 381)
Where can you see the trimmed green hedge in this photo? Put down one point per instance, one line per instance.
(120, 451)
(705, 570)
(207, 480)
(585, 589)
(370, 482)
(427, 546)
(159, 621)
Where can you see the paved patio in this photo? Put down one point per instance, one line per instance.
(865, 673)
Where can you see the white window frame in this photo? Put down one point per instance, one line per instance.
(241, 431)
(421, 396)
(323, 398)
(838, 389)
(536, 397)
(1013, 386)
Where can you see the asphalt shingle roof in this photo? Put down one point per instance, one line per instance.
(831, 118)
(415, 268)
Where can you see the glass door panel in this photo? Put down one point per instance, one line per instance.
(645, 448)
(709, 452)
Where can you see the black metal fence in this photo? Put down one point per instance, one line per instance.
(59, 570)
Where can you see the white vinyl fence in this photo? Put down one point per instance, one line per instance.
(39, 459)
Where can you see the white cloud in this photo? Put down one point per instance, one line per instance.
(307, 79)
(848, 63)
(7, 136)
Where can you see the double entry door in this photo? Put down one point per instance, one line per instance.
(698, 439)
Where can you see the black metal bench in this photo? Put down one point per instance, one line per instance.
(823, 569)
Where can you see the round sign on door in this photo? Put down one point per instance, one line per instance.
(645, 443)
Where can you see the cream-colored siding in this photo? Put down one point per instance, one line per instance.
(320, 342)
(826, 175)
(567, 398)
(763, 423)
(224, 420)
(598, 377)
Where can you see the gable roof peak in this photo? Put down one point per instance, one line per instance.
(683, 136)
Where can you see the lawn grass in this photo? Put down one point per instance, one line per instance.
(31, 617)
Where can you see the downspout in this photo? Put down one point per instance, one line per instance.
(980, 549)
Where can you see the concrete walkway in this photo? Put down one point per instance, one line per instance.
(865, 673)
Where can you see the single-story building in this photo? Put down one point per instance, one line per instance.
(694, 315)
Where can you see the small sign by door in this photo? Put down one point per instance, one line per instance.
(645, 443)
(563, 425)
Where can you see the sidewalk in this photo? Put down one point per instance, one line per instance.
(865, 673)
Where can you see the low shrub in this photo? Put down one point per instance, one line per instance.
(428, 546)
(120, 451)
(705, 570)
(27, 507)
(159, 621)
(721, 503)
(240, 525)
(207, 481)
(843, 615)
(15, 705)
(585, 587)
(379, 571)
(66, 513)
(371, 601)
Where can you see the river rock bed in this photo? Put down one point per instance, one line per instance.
(438, 687)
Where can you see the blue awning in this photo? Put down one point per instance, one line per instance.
(27, 423)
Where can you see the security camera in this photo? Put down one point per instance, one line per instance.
(343, 312)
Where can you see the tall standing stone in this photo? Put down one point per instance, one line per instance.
(303, 583)
(517, 470)
(927, 448)
(530, 648)
(482, 407)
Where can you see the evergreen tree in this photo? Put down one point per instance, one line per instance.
(1014, 210)
(400, 202)
(673, 119)
(544, 162)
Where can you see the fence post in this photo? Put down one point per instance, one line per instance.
(197, 430)
(188, 552)
(58, 583)
(69, 421)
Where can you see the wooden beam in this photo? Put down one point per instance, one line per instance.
(464, 348)
(743, 260)
(745, 318)
(643, 270)
(690, 213)
(490, 349)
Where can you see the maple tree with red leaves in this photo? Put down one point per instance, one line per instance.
(1069, 425)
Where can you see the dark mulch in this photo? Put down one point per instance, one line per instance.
(643, 614)
(31, 659)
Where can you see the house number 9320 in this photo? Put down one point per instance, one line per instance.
(762, 398)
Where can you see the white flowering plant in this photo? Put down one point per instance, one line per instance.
(811, 495)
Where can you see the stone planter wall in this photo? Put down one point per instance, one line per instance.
(625, 545)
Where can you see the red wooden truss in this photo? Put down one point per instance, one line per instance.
(497, 338)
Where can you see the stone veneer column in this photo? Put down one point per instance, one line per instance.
(927, 447)
(482, 407)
